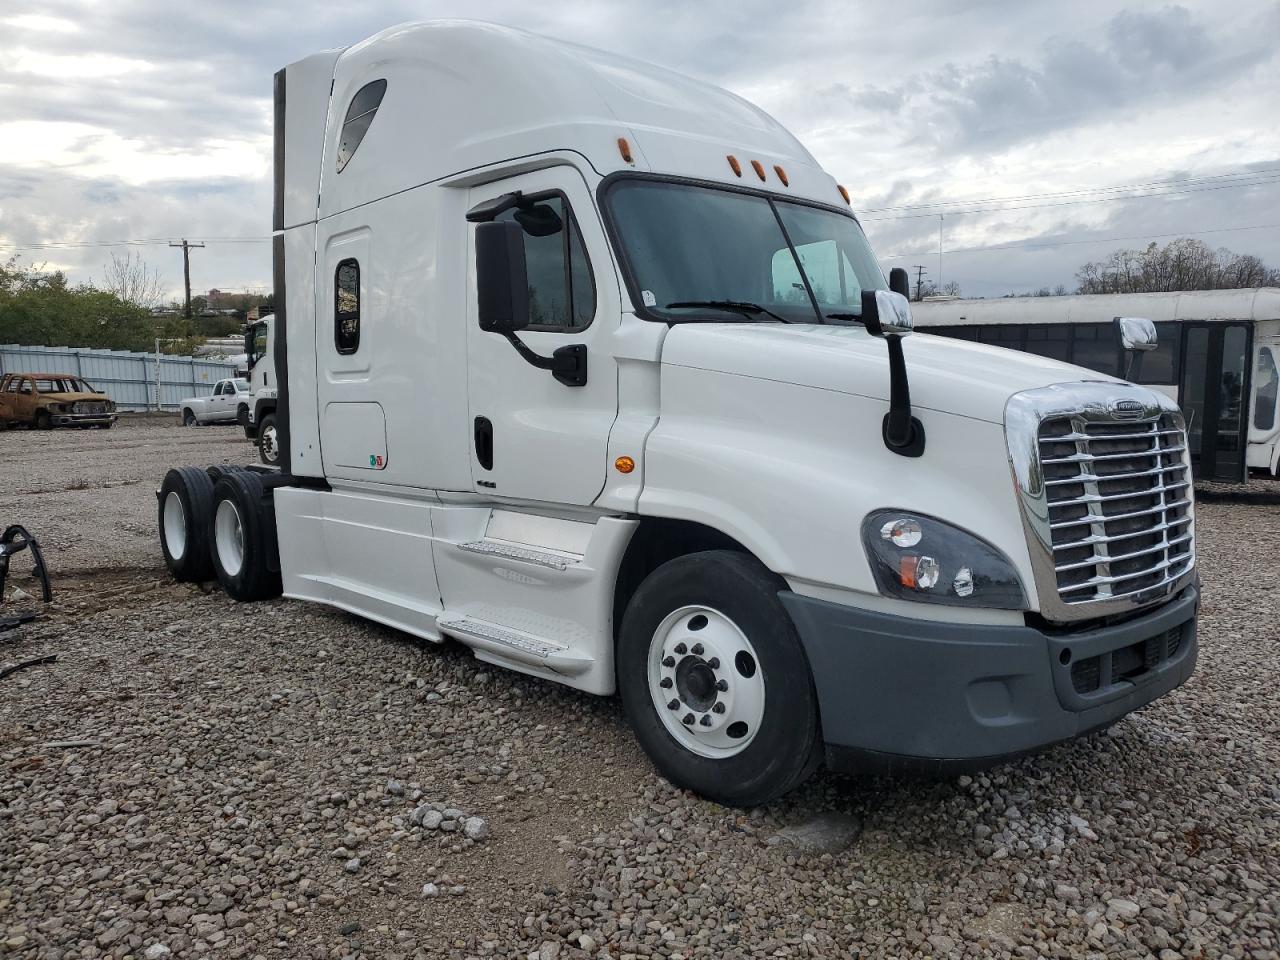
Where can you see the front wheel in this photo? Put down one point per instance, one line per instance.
(188, 418)
(715, 682)
(269, 441)
(43, 422)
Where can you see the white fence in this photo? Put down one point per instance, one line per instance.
(127, 377)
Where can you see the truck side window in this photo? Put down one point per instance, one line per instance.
(562, 292)
(346, 307)
(1268, 381)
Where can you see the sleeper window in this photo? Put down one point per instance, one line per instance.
(346, 306)
(562, 294)
(364, 105)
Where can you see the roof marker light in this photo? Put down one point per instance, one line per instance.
(844, 193)
(624, 148)
(734, 165)
(758, 167)
(782, 175)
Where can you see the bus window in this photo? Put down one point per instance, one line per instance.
(1094, 345)
(1052, 340)
(1267, 388)
(1161, 364)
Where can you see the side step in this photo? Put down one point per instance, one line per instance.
(515, 551)
(515, 645)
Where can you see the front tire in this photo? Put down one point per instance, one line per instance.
(189, 419)
(715, 682)
(42, 420)
(244, 548)
(269, 441)
(186, 509)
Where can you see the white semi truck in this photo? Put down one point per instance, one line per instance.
(589, 366)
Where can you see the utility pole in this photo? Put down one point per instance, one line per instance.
(939, 253)
(186, 270)
(919, 282)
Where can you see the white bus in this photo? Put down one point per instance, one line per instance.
(1218, 357)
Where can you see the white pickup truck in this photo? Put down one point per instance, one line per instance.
(219, 407)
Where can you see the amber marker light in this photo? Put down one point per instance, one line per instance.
(624, 148)
(734, 165)
(844, 193)
(782, 175)
(758, 167)
(624, 464)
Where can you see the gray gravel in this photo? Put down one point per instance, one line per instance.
(196, 777)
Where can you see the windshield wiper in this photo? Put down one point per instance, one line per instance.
(844, 316)
(743, 307)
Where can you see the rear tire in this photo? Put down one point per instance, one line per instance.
(243, 545)
(708, 633)
(186, 510)
(269, 441)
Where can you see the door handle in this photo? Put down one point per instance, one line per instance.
(484, 442)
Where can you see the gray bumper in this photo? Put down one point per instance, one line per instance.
(894, 691)
(82, 419)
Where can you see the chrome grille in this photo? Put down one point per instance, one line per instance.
(1118, 500)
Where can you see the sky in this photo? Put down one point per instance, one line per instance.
(1045, 134)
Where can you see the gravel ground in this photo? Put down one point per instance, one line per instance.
(279, 780)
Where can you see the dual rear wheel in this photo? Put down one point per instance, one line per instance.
(220, 523)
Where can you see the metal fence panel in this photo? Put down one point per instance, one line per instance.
(127, 377)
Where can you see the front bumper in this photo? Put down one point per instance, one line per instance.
(903, 693)
(82, 419)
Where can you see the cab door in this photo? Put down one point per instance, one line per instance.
(534, 437)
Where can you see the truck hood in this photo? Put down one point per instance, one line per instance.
(947, 375)
(73, 397)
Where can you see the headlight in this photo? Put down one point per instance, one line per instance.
(915, 557)
(57, 408)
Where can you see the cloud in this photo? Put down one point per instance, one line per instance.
(1146, 59)
(148, 119)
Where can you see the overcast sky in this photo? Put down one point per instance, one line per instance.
(150, 119)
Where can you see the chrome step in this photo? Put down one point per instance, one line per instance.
(515, 644)
(515, 551)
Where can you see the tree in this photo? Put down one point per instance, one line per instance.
(1182, 264)
(130, 279)
(41, 307)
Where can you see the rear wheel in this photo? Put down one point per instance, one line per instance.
(244, 549)
(269, 441)
(715, 681)
(186, 505)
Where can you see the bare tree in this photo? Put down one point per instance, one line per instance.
(130, 279)
(1182, 264)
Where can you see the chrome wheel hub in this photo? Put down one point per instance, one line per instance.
(705, 682)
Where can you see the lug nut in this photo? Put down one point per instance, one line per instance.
(718, 708)
(722, 685)
(687, 720)
(681, 649)
(706, 720)
(673, 704)
(714, 663)
(666, 683)
(668, 662)
(697, 649)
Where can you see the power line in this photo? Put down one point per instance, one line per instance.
(1072, 243)
(1172, 182)
(156, 241)
(1068, 203)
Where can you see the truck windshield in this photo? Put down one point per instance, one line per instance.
(699, 246)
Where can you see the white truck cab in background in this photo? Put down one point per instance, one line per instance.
(256, 412)
(589, 366)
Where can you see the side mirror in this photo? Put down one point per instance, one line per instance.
(1136, 333)
(886, 313)
(502, 279)
(899, 282)
(248, 344)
